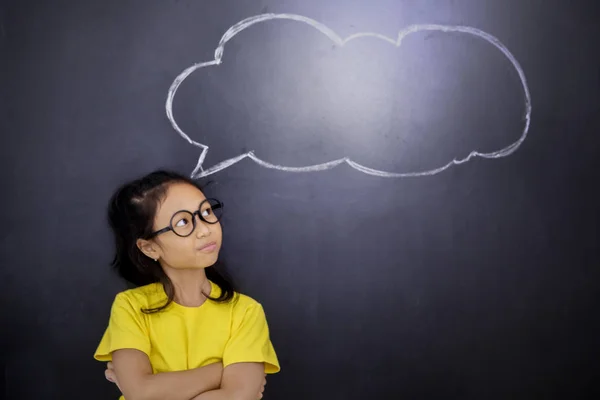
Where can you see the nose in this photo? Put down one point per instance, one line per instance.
(202, 228)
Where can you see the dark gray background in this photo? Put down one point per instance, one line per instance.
(477, 283)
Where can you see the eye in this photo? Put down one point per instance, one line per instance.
(182, 222)
(207, 212)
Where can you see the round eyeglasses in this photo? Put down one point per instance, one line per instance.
(183, 222)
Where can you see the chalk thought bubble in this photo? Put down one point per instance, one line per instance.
(199, 171)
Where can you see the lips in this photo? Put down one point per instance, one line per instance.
(208, 247)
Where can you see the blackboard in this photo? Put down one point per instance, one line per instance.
(416, 210)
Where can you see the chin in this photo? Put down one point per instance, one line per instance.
(209, 261)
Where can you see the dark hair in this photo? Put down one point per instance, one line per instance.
(131, 214)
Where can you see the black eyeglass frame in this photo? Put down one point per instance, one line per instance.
(218, 204)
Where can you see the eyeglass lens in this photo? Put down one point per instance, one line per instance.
(183, 222)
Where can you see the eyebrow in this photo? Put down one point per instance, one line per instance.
(189, 209)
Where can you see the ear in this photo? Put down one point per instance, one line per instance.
(148, 248)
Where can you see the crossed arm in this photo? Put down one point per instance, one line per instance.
(133, 371)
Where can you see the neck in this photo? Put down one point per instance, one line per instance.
(191, 286)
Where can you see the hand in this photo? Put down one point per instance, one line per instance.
(110, 375)
(262, 387)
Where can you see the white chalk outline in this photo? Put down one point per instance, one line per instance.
(246, 23)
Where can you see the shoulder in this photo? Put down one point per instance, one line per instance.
(242, 302)
(246, 309)
(239, 303)
(141, 297)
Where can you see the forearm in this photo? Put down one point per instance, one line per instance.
(180, 385)
(241, 381)
(222, 394)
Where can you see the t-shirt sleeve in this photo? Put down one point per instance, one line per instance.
(250, 341)
(126, 329)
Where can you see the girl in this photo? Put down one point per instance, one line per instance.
(183, 333)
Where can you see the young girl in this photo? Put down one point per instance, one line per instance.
(183, 333)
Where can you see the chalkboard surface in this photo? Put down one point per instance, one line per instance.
(411, 187)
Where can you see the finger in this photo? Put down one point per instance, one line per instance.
(109, 375)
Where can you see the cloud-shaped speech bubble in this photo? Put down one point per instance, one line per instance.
(199, 170)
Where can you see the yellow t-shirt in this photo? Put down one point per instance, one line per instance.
(181, 338)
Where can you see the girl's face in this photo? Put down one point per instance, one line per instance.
(198, 250)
